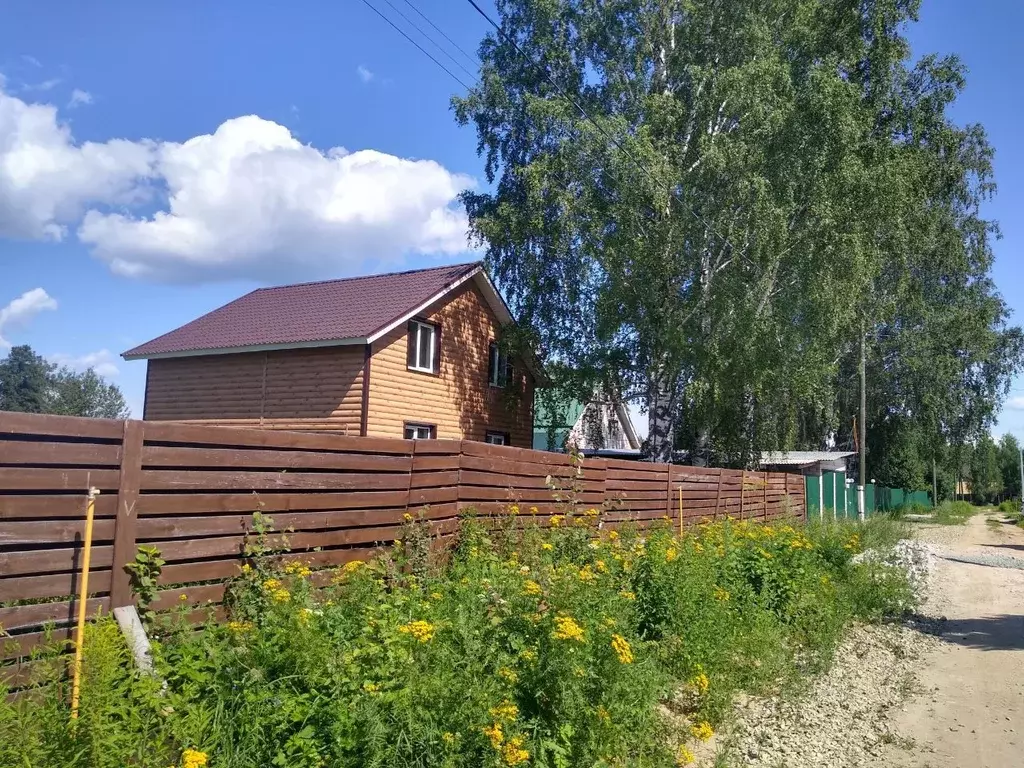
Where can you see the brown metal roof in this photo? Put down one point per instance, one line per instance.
(308, 313)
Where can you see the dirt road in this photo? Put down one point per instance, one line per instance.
(969, 708)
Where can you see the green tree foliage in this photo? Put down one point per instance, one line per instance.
(24, 381)
(760, 182)
(30, 384)
(986, 472)
(1009, 465)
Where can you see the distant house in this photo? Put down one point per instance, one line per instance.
(598, 425)
(408, 354)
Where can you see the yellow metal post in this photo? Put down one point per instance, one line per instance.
(83, 596)
(680, 509)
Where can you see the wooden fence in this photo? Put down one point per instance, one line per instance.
(191, 491)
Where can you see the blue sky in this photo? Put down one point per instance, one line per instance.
(167, 157)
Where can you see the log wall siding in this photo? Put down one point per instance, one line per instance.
(191, 491)
(319, 388)
(459, 400)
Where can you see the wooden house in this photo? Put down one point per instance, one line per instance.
(408, 354)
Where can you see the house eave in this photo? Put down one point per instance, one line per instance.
(251, 348)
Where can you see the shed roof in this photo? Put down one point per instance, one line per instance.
(779, 458)
(353, 310)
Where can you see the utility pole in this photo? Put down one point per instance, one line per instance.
(935, 485)
(863, 472)
(1022, 479)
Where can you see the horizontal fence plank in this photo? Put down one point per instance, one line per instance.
(32, 453)
(59, 426)
(58, 612)
(204, 480)
(58, 585)
(62, 479)
(213, 503)
(53, 531)
(54, 506)
(164, 456)
(172, 432)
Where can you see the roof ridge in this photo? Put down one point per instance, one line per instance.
(464, 264)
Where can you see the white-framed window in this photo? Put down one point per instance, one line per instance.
(423, 347)
(499, 366)
(497, 438)
(420, 431)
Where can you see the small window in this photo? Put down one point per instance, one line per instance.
(499, 366)
(497, 438)
(420, 431)
(424, 347)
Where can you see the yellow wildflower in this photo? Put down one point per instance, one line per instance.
(622, 649)
(407, 517)
(670, 554)
(534, 510)
(721, 595)
(702, 731)
(421, 630)
(625, 593)
(587, 575)
(698, 547)
(495, 734)
(436, 596)
(271, 584)
(298, 568)
(246, 569)
(448, 738)
(591, 512)
(556, 520)
(505, 712)
(685, 756)
(514, 509)
(765, 554)
(281, 595)
(183, 597)
(528, 655)
(371, 687)
(613, 535)
(608, 621)
(701, 683)
(531, 587)
(603, 714)
(567, 629)
(547, 546)
(508, 674)
(601, 567)
(579, 522)
(513, 753)
(193, 758)
(352, 566)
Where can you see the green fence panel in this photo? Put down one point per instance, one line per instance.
(811, 484)
(851, 500)
(828, 481)
(870, 499)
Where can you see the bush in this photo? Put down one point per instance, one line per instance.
(1010, 507)
(954, 512)
(553, 647)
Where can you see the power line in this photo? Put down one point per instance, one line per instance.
(651, 176)
(469, 57)
(423, 50)
(433, 42)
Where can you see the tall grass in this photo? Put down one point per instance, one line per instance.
(572, 646)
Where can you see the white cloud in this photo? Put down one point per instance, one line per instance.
(46, 179)
(1015, 404)
(247, 201)
(31, 60)
(23, 309)
(102, 362)
(251, 201)
(79, 98)
(364, 74)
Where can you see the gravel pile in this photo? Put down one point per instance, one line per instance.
(844, 719)
(915, 557)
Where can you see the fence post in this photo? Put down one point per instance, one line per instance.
(718, 493)
(668, 493)
(765, 510)
(124, 523)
